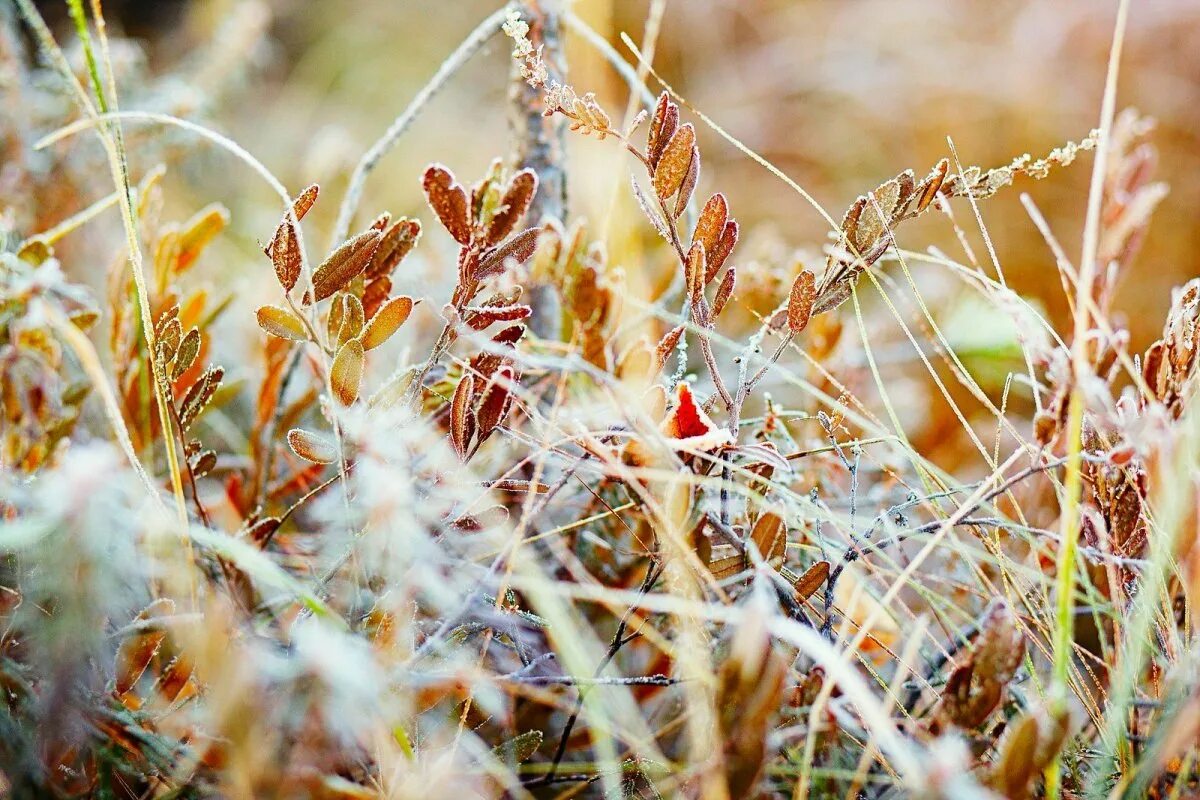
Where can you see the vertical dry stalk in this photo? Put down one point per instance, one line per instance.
(538, 143)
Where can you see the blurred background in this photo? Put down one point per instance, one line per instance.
(839, 95)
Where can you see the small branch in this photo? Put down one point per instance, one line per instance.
(469, 47)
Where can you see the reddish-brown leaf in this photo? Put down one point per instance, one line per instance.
(711, 223)
(449, 201)
(479, 317)
(462, 422)
(689, 183)
(375, 294)
(494, 404)
(722, 249)
(517, 249)
(676, 160)
(397, 242)
(284, 249)
(800, 303)
(667, 345)
(724, 291)
(199, 395)
(510, 335)
(812, 579)
(666, 120)
(932, 185)
(694, 271)
(514, 204)
(139, 648)
(345, 263)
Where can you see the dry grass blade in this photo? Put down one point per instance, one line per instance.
(197, 233)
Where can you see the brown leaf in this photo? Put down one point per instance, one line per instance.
(462, 422)
(168, 333)
(727, 567)
(800, 304)
(397, 242)
(812, 579)
(931, 185)
(514, 204)
(722, 249)
(494, 404)
(519, 248)
(203, 463)
(345, 263)
(449, 201)
(711, 223)
(479, 317)
(724, 292)
(199, 395)
(770, 536)
(345, 374)
(763, 453)
(375, 294)
(519, 486)
(975, 687)
(185, 356)
(666, 346)
(312, 446)
(689, 183)
(484, 520)
(262, 531)
(284, 249)
(282, 323)
(666, 120)
(676, 160)
(387, 321)
(139, 649)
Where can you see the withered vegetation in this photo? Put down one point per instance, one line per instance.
(472, 504)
